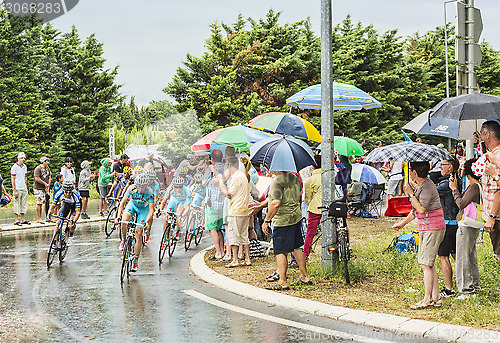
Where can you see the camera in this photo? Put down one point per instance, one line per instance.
(482, 144)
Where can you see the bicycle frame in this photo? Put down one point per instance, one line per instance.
(59, 240)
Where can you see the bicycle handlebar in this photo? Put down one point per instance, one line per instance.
(135, 223)
(61, 217)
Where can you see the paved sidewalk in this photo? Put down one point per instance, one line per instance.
(37, 225)
(402, 326)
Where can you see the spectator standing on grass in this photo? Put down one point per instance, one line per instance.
(19, 181)
(214, 203)
(286, 217)
(238, 212)
(490, 135)
(41, 186)
(84, 186)
(450, 210)
(312, 198)
(67, 170)
(430, 220)
(467, 269)
(395, 179)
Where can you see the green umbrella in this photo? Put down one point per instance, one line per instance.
(346, 146)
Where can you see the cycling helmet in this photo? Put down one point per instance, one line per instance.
(139, 169)
(141, 180)
(178, 181)
(151, 174)
(127, 170)
(5, 200)
(68, 159)
(182, 172)
(68, 186)
(198, 178)
(200, 170)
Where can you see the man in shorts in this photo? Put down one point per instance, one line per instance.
(19, 189)
(238, 212)
(41, 186)
(105, 174)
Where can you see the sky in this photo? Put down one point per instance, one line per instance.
(149, 39)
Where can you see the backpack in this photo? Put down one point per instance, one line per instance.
(406, 242)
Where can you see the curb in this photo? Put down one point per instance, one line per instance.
(407, 327)
(9, 228)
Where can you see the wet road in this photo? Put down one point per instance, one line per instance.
(82, 300)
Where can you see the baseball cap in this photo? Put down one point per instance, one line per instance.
(21, 155)
(149, 154)
(43, 159)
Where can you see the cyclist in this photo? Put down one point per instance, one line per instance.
(128, 177)
(155, 186)
(141, 203)
(199, 191)
(71, 205)
(179, 201)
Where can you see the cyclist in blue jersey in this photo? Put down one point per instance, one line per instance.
(155, 186)
(180, 199)
(71, 206)
(141, 203)
(199, 191)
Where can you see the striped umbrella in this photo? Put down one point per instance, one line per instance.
(286, 124)
(345, 97)
(364, 173)
(238, 136)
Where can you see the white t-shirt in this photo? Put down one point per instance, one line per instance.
(20, 173)
(396, 171)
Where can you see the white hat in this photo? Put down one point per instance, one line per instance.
(21, 155)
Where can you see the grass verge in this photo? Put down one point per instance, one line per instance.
(384, 282)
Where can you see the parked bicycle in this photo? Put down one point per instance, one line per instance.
(59, 243)
(168, 241)
(337, 213)
(128, 250)
(194, 226)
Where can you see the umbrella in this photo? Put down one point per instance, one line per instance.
(424, 124)
(238, 136)
(408, 152)
(282, 153)
(345, 97)
(346, 146)
(364, 173)
(459, 117)
(286, 124)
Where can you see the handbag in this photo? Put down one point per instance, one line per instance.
(337, 210)
(472, 216)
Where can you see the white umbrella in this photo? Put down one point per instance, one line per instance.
(364, 173)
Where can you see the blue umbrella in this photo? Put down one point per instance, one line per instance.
(282, 153)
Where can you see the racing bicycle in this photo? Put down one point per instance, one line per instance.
(128, 250)
(194, 226)
(59, 243)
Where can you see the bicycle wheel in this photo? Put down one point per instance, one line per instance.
(125, 260)
(164, 243)
(173, 242)
(198, 231)
(343, 251)
(54, 244)
(64, 244)
(190, 232)
(110, 221)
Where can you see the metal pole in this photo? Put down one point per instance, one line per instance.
(327, 134)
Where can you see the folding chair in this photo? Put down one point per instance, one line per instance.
(375, 201)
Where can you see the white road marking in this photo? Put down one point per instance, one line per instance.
(322, 331)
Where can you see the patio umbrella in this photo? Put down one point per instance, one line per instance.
(459, 117)
(238, 136)
(345, 97)
(408, 152)
(367, 174)
(286, 124)
(282, 153)
(346, 146)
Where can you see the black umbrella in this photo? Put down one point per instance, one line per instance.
(468, 107)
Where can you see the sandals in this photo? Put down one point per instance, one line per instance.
(26, 222)
(18, 223)
(422, 305)
(273, 277)
(232, 265)
(299, 282)
(438, 303)
(277, 287)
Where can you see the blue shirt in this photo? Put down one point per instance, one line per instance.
(182, 196)
(155, 186)
(75, 198)
(199, 190)
(138, 199)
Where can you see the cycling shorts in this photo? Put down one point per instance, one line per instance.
(173, 203)
(197, 199)
(67, 209)
(142, 213)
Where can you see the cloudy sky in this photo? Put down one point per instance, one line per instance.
(149, 39)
